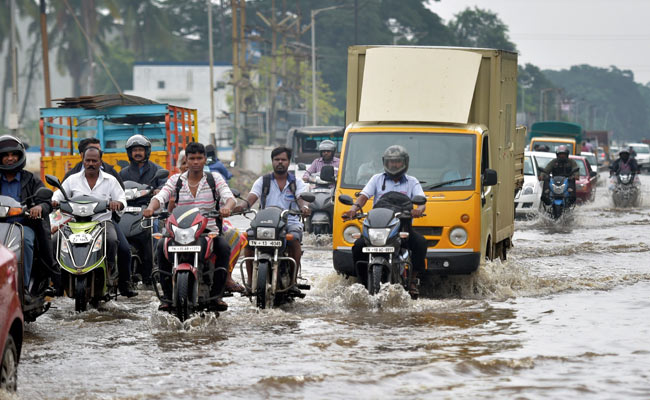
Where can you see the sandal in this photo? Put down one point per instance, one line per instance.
(233, 286)
(165, 307)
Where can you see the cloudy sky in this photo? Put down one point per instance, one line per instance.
(556, 34)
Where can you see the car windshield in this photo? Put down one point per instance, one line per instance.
(591, 158)
(441, 161)
(528, 166)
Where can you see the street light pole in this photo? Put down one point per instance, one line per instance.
(313, 61)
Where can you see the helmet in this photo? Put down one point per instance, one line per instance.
(327, 145)
(138, 140)
(396, 152)
(9, 143)
(561, 149)
(626, 151)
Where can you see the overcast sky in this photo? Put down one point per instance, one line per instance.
(556, 34)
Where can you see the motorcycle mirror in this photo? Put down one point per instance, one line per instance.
(490, 177)
(419, 200)
(345, 199)
(160, 174)
(235, 193)
(122, 163)
(327, 173)
(593, 173)
(301, 167)
(53, 181)
(43, 193)
(308, 197)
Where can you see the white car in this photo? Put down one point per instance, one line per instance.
(528, 199)
(642, 151)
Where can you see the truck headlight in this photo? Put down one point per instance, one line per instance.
(458, 236)
(265, 233)
(349, 231)
(378, 237)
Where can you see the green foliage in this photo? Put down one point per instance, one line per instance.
(119, 60)
(480, 28)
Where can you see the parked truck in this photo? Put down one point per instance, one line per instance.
(548, 135)
(452, 109)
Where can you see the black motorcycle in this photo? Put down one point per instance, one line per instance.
(385, 234)
(625, 190)
(275, 275)
(322, 208)
(138, 229)
(11, 235)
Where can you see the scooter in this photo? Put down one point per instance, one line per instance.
(187, 247)
(11, 235)
(138, 229)
(322, 208)
(625, 190)
(385, 234)
(275, 275)
(81, 250)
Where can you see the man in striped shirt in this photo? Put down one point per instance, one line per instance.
(196, 191)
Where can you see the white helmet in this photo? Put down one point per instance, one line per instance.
(138, 140)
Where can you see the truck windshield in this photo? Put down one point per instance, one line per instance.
(441, 161)
(542, 145)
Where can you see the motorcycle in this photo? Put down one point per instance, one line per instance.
(385, 234)
(275, 275)
(559, 197)
(11, 235)
(187, 245)
(81, 250)
(322, 208)
(138, 229)
(625, 190)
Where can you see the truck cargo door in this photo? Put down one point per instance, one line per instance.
(487, 194)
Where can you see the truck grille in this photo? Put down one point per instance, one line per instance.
(428, 231)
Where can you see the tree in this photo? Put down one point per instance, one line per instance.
(480, 28)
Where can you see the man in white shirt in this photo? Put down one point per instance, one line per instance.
(92, 181)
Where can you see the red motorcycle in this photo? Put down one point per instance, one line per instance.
(188, 247)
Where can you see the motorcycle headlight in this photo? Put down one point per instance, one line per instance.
(528, 190)
(130, 193)
(265, 233)
(184, 236)
(458, 236)
(349, 231)
(378, 237)
(98, 244)
(83, 209)
(3, 211)
(558, 189)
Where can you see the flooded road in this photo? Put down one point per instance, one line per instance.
(565, 316)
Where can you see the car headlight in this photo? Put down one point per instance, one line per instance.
(184, 236)
(98, 244)
(349, 231)
(528, 190)
(265, 233)
(458, 236)
(378, 237)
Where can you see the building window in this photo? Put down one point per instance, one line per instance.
(161, 84)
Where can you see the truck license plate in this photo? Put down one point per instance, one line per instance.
(378, 249)
(265, 243)
(184, 249)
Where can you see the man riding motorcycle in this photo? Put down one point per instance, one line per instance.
(280, 189)
(562, 165)
(393, 179)
(327, 148)
(194, 188)
(93, 181)
(624, 164)
(18, 183)
(214, 164)
(106, 167)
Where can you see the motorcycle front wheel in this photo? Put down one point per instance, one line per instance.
(374, 278)
(263, 289)
(80, 300)
(183, 308)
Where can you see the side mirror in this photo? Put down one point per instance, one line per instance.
(327, 173)
(302, 167)
(235, 193)
(160, 174)
(419, 200)
(53, 181)
(122, 163)
(308, 197)
(345, 199)
(593, 173)
(43, 193)
(490, 177)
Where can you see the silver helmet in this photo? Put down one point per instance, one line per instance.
(327, 145)
(395, 153)
(138, 140)
(8, 144)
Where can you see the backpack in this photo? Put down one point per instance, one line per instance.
(266, 187)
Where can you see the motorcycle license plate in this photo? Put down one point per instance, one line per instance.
(133, 209)
(79, 238)
(378, 249)
(321, 191)
(184, 249)
(265, 243)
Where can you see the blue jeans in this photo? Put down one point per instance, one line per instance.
(28, 236)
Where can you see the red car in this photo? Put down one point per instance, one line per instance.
(586, 183)
(11, 320)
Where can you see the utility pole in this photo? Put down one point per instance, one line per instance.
(213, 123)
(13, 116)
(46, 58)
(237, 19)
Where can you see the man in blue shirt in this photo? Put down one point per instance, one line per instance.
(20, 184)
(214, 164)
(283, 191)
(393, 179)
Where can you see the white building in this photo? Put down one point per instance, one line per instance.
(188, 85)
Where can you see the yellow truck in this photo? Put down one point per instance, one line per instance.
(454, 110)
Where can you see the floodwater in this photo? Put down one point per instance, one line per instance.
(565, 316)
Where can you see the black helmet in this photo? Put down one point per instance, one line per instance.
(396, 152)
(624, 151)
(9, 143)
(138, 140)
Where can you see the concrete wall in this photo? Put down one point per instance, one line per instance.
(257, 157)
